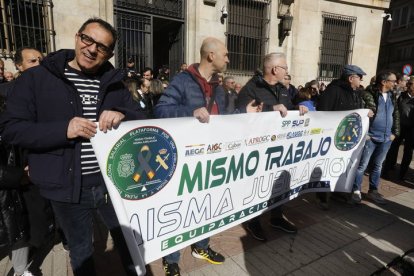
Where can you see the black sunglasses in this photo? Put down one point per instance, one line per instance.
(87, 40)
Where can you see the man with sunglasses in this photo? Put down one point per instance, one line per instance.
(53, 111)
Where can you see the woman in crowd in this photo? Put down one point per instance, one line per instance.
(156, 89)
(304, 97)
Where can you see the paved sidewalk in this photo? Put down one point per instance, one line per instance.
(344, 240)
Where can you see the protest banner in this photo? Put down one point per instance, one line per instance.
(176, 181)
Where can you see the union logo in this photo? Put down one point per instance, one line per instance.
(349, 132)
(142, 162)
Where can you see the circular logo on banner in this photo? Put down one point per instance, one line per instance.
(348, 133)
(142, 162)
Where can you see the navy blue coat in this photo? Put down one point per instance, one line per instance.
(38, 112)
(182, 96)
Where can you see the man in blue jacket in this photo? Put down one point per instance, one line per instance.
(192, 93)
(384, 127)
(52, 112)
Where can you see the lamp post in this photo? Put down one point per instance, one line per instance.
(285, 26)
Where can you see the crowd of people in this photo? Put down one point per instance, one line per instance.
(53, 107)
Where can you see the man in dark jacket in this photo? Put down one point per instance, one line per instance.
(50, 113)
(270, 91)
(341, 94)
(406, 107)
(230, 95)
(384, 127)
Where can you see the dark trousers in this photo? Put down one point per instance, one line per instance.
(275, 214)
(408, 152)
(75, 219)
(407, 137)
(392, 154)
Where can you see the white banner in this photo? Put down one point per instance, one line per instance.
(176, 181)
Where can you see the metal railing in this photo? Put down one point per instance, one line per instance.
(337, 42)
(26, 23)
(140, 25)
(169, 8)
(247, 34)
(134, 39)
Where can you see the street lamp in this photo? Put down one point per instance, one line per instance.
(285, 26)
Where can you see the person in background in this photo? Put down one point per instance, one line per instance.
(130, 67)
(315, 91)
(156, 89)
(148, 73)
(322, 87)
(401, 84)
(406, 107)
(2, 79)
(237, 87)
(230, 96)
(14, 223)
(8, 76)
(292, 91)
(164, 73)
(183, 67)
(304, 97)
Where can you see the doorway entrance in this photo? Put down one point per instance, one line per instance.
(150, 33)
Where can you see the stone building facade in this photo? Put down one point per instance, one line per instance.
(318, 36)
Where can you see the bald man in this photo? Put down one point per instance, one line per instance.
(192, 93)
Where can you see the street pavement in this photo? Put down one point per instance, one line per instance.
(344, 240)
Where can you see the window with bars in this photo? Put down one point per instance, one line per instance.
(337, 42)
(247, 33)
(170, 8)
(26, 23)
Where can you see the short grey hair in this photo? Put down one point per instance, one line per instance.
(228, 78)
(269, 58)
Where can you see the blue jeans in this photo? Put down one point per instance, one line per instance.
(175, 256)
(377, 151)
(75, 219)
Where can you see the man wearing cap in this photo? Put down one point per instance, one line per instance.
(383, 128)
(341, 94)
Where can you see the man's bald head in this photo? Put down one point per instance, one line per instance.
(210, 45)
(214, 54)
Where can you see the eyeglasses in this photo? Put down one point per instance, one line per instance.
(87, 40)
(283, 67)
(393, 81)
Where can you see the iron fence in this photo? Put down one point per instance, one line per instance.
(169, 8)
(247, 34)
(26, 23)
(337, 42)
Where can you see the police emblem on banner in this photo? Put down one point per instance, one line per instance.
(142, 162)
(349, 132)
